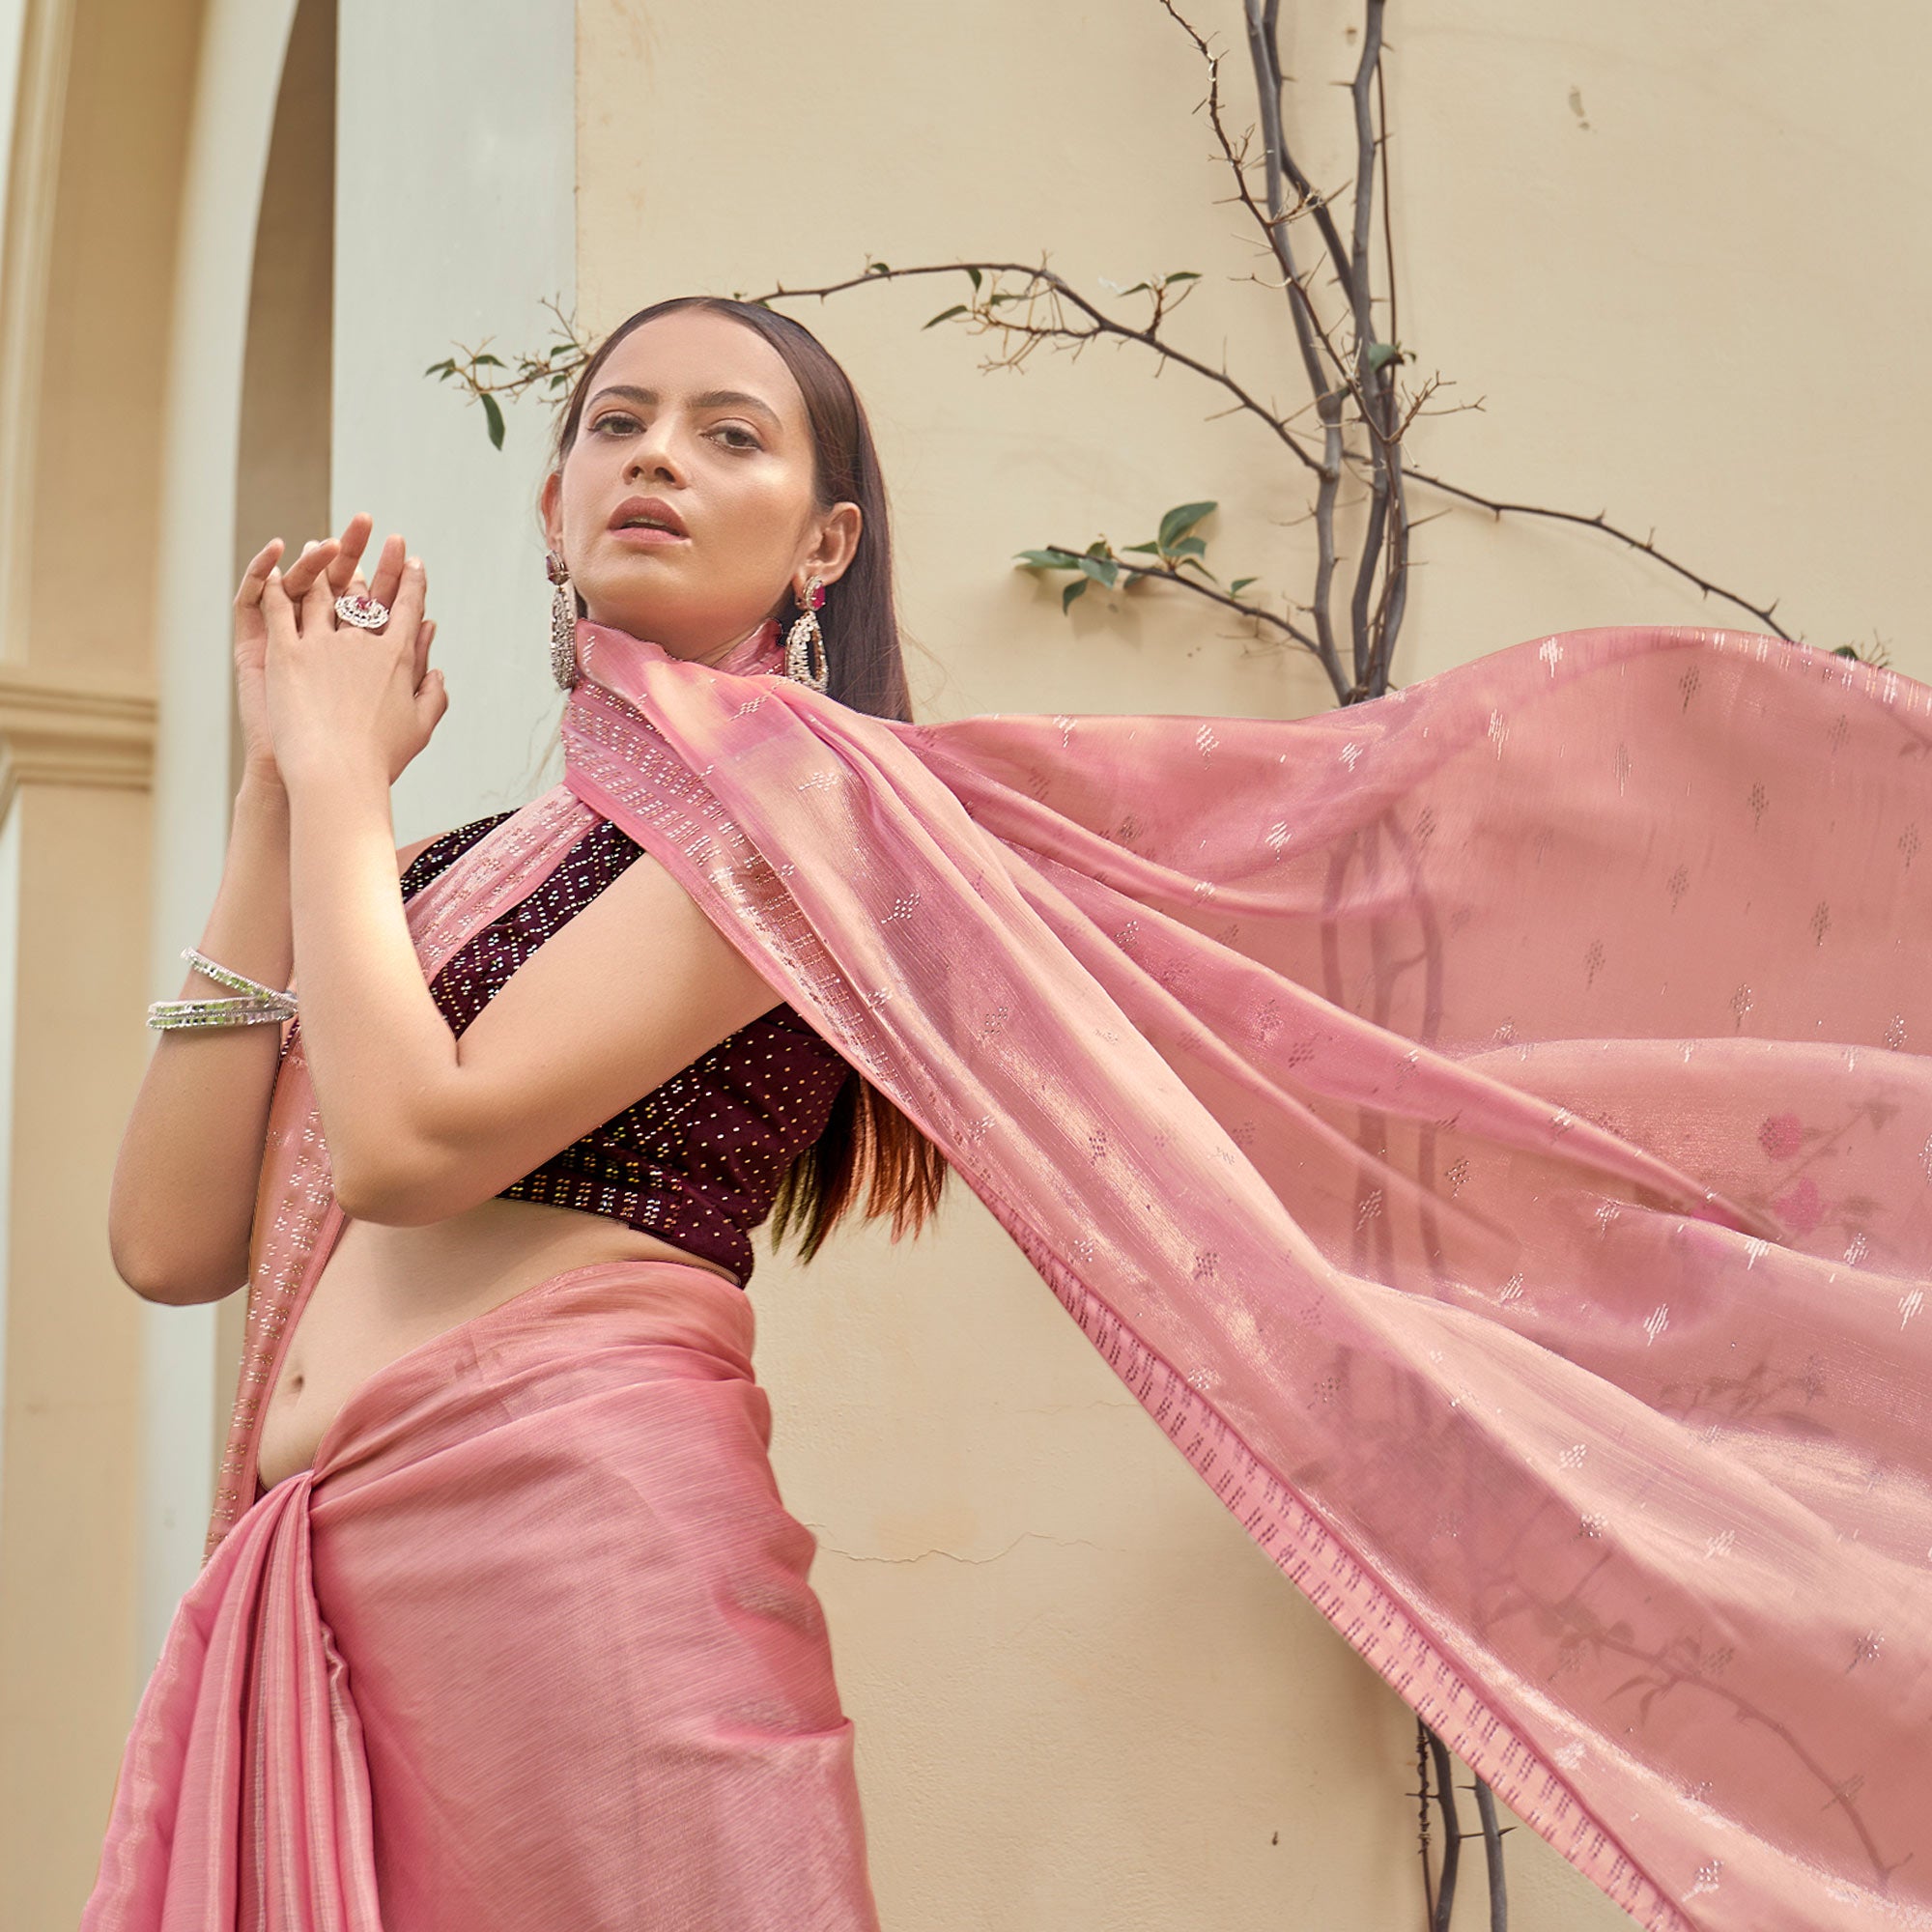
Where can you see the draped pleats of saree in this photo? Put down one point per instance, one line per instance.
(530, 1649)
(531, 1646)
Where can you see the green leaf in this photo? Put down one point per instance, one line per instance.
(1381, 352)
(493, 417)
(441, 369)
(1200, 566)
(975, 274)
(878, 269)
(1180, 519)
(493, 361)
(1845, 651)
(1240, 583)
(1184, 276)
(1073, 590)
(1101, 570)
(1049, 559)
(1153, 550)
(1189, 547)
(1135, 290)
(946, 314)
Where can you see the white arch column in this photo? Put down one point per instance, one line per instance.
(241, 65)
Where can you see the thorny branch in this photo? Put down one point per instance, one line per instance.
(1440, 1902)
(1354, 385)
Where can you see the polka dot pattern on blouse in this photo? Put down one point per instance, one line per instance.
(697, 1162)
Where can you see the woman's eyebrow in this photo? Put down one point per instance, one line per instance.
(710, 399)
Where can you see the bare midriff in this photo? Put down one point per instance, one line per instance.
(384, 1290)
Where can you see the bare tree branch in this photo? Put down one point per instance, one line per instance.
(1600, 522)
(1352, 385)
(1200, 590)
(1102, 325)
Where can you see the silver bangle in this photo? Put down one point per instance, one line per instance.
(249, 1012)
(239, 981)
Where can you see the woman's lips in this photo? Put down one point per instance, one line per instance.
(643, 537)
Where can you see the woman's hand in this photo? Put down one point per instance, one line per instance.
(340, 563)
(337, 696)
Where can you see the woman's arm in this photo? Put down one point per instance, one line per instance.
(181, 1208)
(181, 1204)
(421, 1125)
(635, 987)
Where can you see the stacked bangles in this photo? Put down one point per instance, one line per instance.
(258, 1003)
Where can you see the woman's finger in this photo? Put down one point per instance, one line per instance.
(431, 701)
(388, 571)
(318, 600)
(313, 562)
(350, 545)
(278, 612)
(256, 576)
(425, 638)
(407, 608)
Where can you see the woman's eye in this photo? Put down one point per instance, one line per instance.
(622, 423)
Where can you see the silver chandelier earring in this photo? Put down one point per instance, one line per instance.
(806, 636)
(562, 623)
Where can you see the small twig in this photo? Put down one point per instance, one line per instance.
(1201, 589)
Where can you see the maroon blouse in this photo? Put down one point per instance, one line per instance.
(698, 1161)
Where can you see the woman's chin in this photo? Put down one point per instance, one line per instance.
(649, 621)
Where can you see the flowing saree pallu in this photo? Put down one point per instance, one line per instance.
(1489, 1131)
(531, 1647)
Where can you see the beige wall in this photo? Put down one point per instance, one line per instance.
(1084, 1699)
(1642, 237)
(94, 192)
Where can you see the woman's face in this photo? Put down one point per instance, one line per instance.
(702, 414)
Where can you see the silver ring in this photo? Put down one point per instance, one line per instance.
(364, 612)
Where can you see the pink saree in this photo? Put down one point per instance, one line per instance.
(530, 1647)
(1487, 1130)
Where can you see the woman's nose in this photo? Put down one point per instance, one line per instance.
(651, 456)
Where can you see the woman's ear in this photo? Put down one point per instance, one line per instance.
(552, 504)
(839, 542)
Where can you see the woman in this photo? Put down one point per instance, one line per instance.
(722, 1760)
(1486, 1128)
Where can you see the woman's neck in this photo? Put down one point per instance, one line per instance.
(737, 644)
(710, 657)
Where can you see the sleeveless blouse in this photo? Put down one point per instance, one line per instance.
(698, 1161)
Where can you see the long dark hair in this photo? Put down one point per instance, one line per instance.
(869, 1146)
